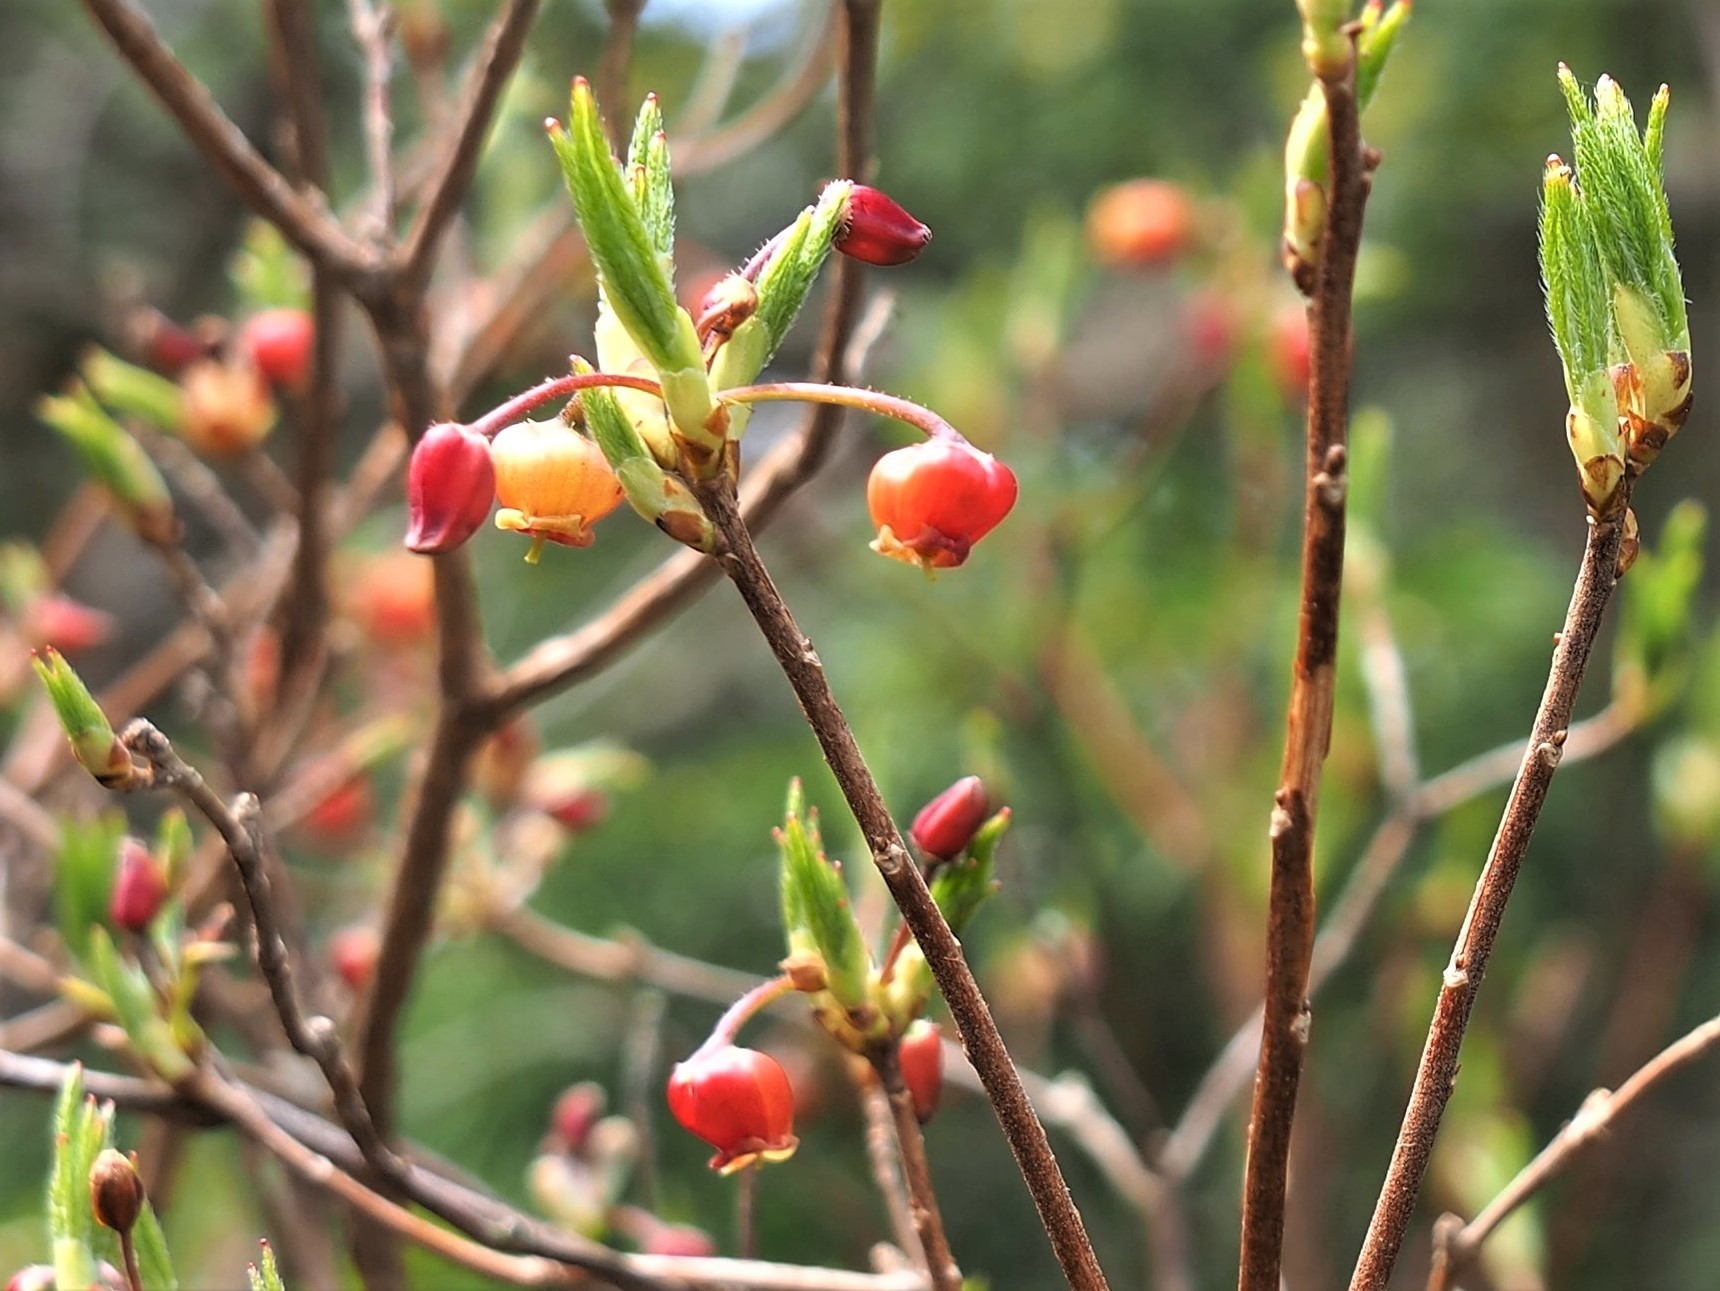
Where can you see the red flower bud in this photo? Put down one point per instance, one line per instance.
(1141, 222)
(343, 813)
(1287, 351)
(352, 953)
(67, 625)
(553, 483)
(450, 483)
(393, 599)
(280, 343)
(877, 230)
(933, 500)
(139, 887)
(575, 1112)
(737, 1100)
(948, 822)
(921, 1055)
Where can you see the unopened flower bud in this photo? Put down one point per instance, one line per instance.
(921, 1055)
(575, 1112)
(877, 230)
(280, 343)
(933, 500)
(737, 1100)
(947, 823)
(32, 1277)
(226, 408)
(729, 303)
(67, 624)
(116, 1191)
(553, 484)
(352, 953)
(681, 1240)
(450, 484)
(139, 886)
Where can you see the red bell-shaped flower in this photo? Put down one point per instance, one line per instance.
(737, 1100)
(877, 230)
(921, 1055)
(948, 822)
(933, 500)
(450, 484)
(139, 887)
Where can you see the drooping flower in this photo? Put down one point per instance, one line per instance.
(737, 1100)
(932, 501)
(553, 484)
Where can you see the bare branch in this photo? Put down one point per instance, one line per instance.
(309, 228)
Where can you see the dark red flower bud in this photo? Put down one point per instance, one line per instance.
(933, 500)
(352, 953)
(877, 230)
(921, 1055)
(280, 344)
(574, 1113)
(450, 484)
(948, 822)
(116, 1191)
(737, 1100)
(139, 887)
(66, 624)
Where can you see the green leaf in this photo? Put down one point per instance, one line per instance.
(132, 391)
(83, 879)
(267, 273)
(817, 915)
(110, 456)
(94, 744)
(153, 1261)
(81, 1131)
(1573, 276)
(137, 1010)
(635, 285)
(1656, 618)
(649, 176)
(268, 1276)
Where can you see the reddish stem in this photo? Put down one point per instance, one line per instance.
(884, 405)
(741, 1011)
(504, 415)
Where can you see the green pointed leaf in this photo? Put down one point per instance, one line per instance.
(83, 879)
(110, 456)
(132, 391)
(138, 1011)
(153, 1261)
(961, 888)
(649, 175)
(817, 915)
(268, 1276)
(80, 1133)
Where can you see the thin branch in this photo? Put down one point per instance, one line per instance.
(1456, 1243)
(917, 1174)
(292, 26)
(886, 1166)
(309, 228)
(503, 45)
(1308, 728)
(617, 62)
(1355, 905)
(805, 673)
(1437, 1074)
(372, 30)
(512, 1231)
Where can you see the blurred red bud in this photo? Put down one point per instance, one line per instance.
(450, 485)
(393, 599)
(1287, 351)
(948, 822)
(1140, 222)
(139, 886)
(66, 624)
(921, 1056)
(226, 407)
(575, 1112)
(680, 1240)
(280, 343)
(343, 813)
(352, 953)
(877, 230)
(32, 1277)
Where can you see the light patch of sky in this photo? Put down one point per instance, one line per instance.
(770, 23)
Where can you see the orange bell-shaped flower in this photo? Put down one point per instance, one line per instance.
(553, 484)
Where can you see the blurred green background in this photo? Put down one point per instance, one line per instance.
(1142, 591)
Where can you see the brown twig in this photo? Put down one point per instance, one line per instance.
(1437, 1074)
(1355, 904)
(503, 45)
(917, 1174)
(805, 673)
(616, 63)
(372, 27)
(1308, 731)
(308, 227)
(886, 1165)
(1456, 1243)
